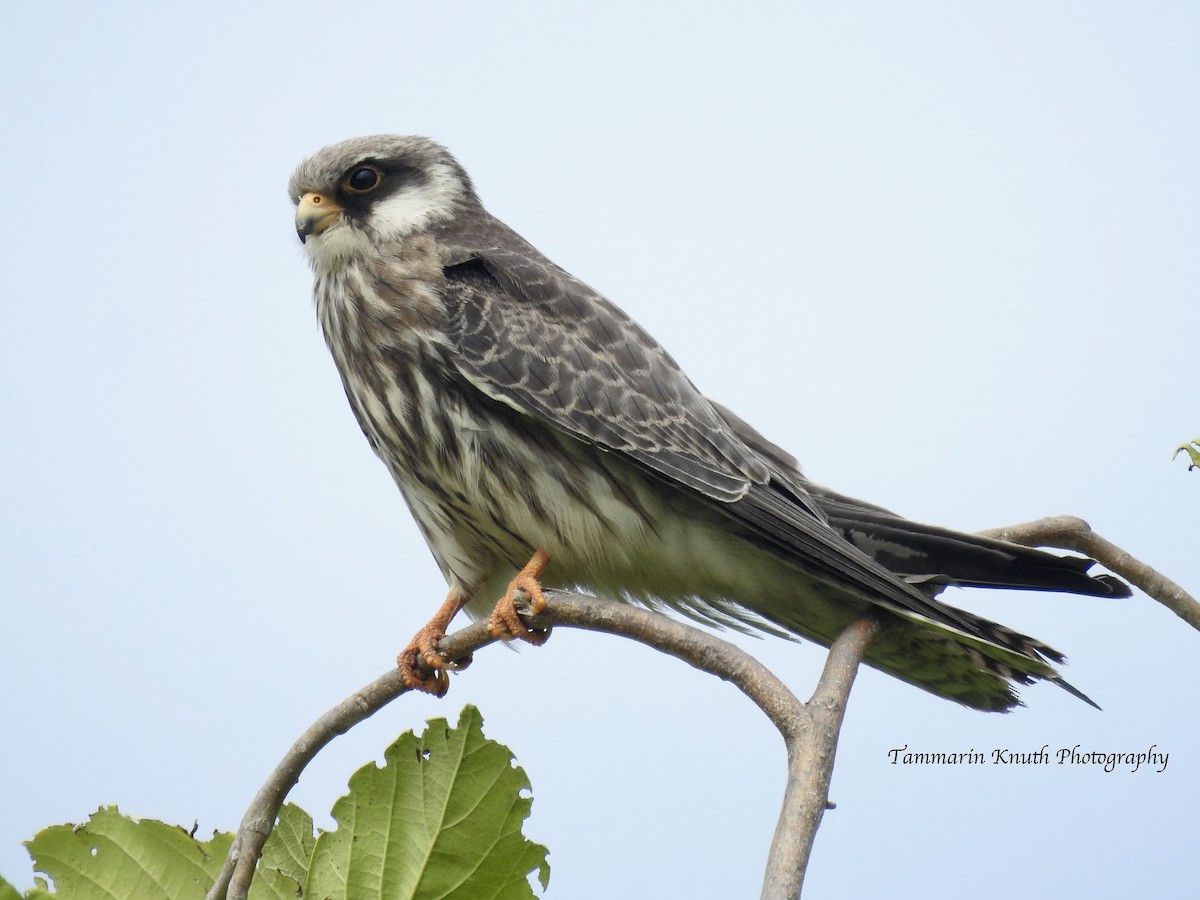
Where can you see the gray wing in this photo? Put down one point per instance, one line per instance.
(528, 334)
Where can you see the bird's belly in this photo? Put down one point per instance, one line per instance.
(608, 526)
(507, 496)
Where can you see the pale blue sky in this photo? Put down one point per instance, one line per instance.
(945, 253)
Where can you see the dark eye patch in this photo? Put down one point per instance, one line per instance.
(370, 181)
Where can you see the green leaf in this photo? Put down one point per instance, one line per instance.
(290, 845)
(441, 819)
(7, 891)
(1193, 451)
(114, 857)
(271, 884)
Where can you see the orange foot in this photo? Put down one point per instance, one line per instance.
(504, 621)
(422, 665)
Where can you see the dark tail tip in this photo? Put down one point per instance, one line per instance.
(1116, 587)
(1075, 692)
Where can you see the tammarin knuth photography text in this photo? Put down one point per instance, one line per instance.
(1064, 756)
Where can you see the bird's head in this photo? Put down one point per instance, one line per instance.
(355, 196)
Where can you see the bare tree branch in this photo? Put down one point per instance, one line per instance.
(810, 732)
(811, 748)
(1070, 533)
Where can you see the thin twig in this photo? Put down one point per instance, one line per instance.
(1071, 533)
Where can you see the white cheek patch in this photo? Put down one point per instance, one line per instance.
(403, 213)
(416, 207)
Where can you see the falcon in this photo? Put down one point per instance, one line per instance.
(541, 438)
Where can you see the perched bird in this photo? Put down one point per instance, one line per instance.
(541, 437)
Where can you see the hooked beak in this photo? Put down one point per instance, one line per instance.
(314, 214)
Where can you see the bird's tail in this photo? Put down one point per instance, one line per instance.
(931, 558)
(945, 650)
(978, 671)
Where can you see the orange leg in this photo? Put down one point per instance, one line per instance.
(504, 621)
(423, 650)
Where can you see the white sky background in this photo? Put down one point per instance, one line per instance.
(945, 253)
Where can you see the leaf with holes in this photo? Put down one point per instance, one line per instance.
(116, 856)
(441, 819)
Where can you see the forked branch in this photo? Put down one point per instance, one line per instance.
(810, 730)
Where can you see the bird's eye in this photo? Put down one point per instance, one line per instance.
(362, 180)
